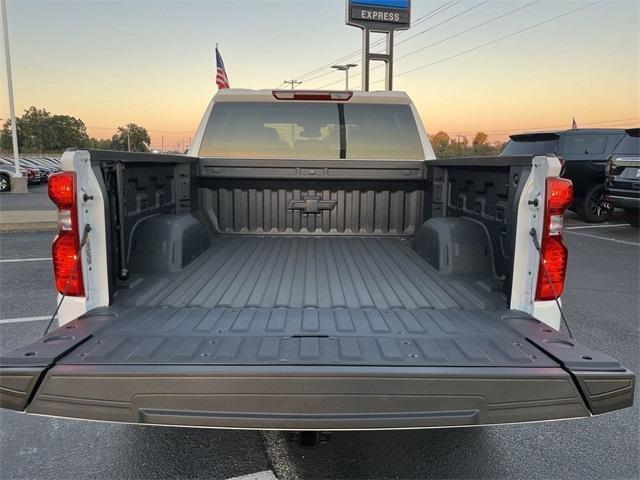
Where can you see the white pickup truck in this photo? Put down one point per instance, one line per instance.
(310, 266)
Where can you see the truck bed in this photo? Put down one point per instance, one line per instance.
(312, 272)
(309, 308)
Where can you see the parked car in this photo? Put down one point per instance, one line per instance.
(44, 171)
(585, 153)
(48, 163)
(310, 266)
(622, 186)
(32, 174)
(45, 163)
(6, 173)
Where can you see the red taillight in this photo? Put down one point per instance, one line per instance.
(311, 95)
(67, 269)
(559, 194)
(62, 189)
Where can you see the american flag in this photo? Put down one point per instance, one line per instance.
(221, 74)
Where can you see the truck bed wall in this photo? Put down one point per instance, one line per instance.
(312, 198)
(291, 197)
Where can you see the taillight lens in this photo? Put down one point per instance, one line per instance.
(67, 269)
(65, 256)
(62, 189)
(559, 195)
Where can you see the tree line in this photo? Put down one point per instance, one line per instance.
(445, 145)
(40, 131)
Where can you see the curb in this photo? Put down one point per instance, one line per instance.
(28, 220)
(29, 227)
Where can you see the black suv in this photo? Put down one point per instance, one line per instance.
(622, 186)
(584, 153)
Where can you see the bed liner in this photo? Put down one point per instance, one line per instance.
(316, 272)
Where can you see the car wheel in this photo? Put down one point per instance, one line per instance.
(592, 207)
(5, 183)
(634, 217)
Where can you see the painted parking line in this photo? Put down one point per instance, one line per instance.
(625, 242)
(266, 475)
(598, 226)
(24, 319)
(17, 260)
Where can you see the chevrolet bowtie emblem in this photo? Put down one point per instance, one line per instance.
(311, 204)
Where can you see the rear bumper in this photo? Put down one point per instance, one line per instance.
(315, 398)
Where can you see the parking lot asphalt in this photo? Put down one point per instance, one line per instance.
(602, 306)
(36, 199)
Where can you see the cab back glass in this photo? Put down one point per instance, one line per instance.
(305, 130)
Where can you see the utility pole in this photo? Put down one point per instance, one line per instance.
(18, 182)
(162, 145)
(129, 137)
(345, 68)
(293, 83)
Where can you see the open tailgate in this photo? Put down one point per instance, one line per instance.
(311, 369)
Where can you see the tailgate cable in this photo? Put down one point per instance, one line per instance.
(85, 238)
(534, 237)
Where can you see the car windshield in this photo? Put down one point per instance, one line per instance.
(629, 145)
(530, 147)
(305, 130)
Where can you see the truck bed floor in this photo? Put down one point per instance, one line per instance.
(299, 272)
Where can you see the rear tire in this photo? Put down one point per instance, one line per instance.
(634, 217)
(5, 183)
(591, 208)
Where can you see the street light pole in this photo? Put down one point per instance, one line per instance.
(345, 68)
(12, 109)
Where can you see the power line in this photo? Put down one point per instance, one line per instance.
(453, 17)
(442, 22)
(510, 12)
(477, 47)
(504, 37)
(357, 52)
(491, 20)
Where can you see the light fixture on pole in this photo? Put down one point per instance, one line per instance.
(345, 68)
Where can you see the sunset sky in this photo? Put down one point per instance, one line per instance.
(152, 62)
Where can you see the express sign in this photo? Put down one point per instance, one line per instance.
(382, 15)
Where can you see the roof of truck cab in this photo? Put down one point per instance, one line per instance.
(247, 95)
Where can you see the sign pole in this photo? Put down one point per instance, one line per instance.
(366, 36)
(378, 16)
(389, 66)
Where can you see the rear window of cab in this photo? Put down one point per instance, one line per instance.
(310, 130)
